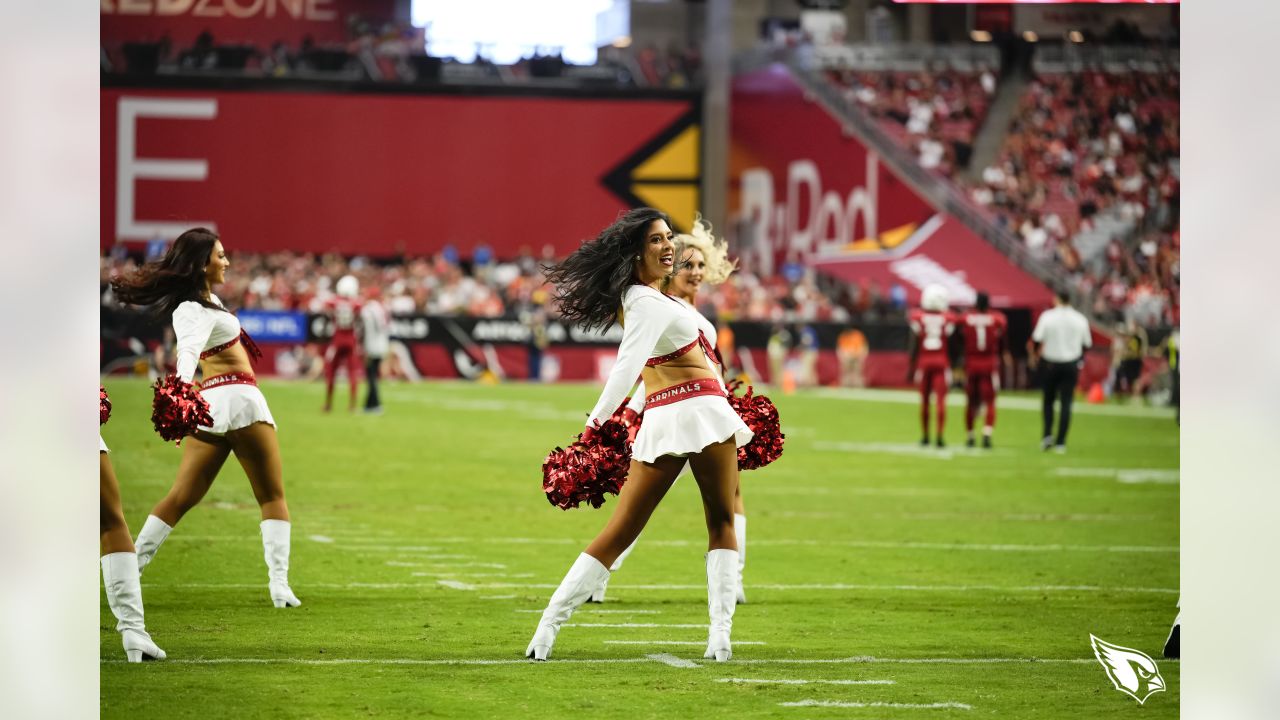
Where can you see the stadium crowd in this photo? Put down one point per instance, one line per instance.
(483, 286)
(1079, 146)
(1088, 143)
(935, 114)
(390, 51)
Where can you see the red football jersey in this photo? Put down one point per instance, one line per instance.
(345, 313)
(983, 335)
(931, 330)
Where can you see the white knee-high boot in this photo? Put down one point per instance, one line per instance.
(722, 582)
(740, 529)
(152, 535)
(275, 550)
(598, 595)
(124, 596)
(586, 574)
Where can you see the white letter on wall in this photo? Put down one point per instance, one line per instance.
(130, 168)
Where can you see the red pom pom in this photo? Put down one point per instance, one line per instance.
(595, 464)
(631, 420)
(178, 409)
(104, 406)
(760, 415)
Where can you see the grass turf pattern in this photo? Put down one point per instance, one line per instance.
(966, 582)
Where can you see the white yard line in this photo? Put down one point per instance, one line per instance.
(702, 643)
(636, 625)
(753, 681)
(601, 612)
(456, 585)
(1128, 476)
(470, 575)
(672, 660)
(512, 661)
(852, 586)
(320, 538)
(784, 588)
(381, 661)
(1008, 547)
(1022, 517)
(872, 660)
(498, 597)
(894, 705)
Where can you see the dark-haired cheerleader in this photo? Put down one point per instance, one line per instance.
(616, 278)
(703, 258)
(180, 284)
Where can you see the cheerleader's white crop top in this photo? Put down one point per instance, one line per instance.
(708, 330)
(196, 329)
(656, 328)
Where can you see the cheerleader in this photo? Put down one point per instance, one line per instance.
(207, 334)
(703, 258)
(119, 558)
(615, 278)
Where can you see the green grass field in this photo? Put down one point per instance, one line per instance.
(966, 582)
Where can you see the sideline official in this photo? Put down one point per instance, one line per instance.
(1058, 343)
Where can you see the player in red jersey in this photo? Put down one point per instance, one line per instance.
(984, 332)
(931, 328)
(344, 311)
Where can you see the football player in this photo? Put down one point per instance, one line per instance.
(932, 325)
(984, 332)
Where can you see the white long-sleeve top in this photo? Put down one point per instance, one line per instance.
(709, 330)
(654, 325)
(197, 328)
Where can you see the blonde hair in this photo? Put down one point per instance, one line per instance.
(715, 251)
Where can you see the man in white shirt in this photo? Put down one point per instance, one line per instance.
(376, 325)
(1061, 336)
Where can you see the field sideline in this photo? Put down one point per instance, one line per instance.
(883, 580)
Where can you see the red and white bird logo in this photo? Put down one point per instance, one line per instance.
(1133, 672)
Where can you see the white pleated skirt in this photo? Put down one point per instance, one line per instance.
(687, 426)
(234, 406)
(102, 445)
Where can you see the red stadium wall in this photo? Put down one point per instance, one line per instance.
(385, 175)
(233, 22)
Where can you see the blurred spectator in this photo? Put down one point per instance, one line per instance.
(851, 350)
(445, 284)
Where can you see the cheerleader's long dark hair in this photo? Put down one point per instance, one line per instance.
(174, 279)
(590, 282)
